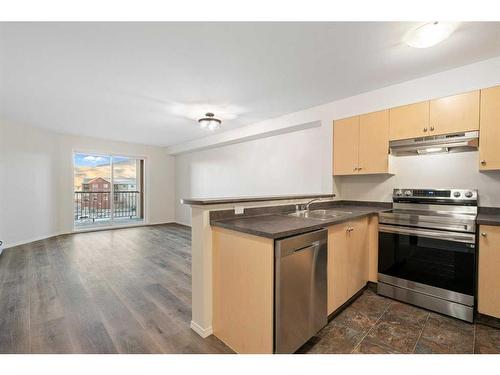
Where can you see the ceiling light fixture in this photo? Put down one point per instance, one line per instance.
(209, 122)
(429, 34)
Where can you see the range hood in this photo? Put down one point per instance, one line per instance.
(457, 142)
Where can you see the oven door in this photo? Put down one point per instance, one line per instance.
(440, 259)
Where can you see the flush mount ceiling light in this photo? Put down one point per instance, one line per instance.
(209, 122)
(429, 34)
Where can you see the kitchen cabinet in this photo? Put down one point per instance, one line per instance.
(488, 294)
(347, 261)
(243, 290)
(337, 271)
(373, 248)
(374, 143)
(346, 146)
(358, 256)
(452, 114)
(489, 135)
(409, 121)
(361, 144)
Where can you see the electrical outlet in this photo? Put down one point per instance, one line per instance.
(238, 210)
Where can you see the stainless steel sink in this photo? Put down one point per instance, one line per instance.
(320, 214)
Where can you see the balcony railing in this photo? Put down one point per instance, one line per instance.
(92, 206)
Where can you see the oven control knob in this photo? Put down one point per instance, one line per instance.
(456, 194)
(408, 193)
(468, 194)
(399, 193)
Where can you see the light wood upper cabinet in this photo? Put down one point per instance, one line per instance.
(347, 261)
(345, 146)
(361, 144)
(489, 135)
(409, 121)
(374, 143)
(454, 114)
(488, 294)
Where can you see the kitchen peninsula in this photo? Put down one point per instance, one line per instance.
(233, 295)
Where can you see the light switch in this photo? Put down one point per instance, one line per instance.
(238, 210)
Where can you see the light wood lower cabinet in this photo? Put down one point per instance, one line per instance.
(373, 248)
(338, 240)
(488, 295)
(347, 261)
(489, 134)
(243, 290)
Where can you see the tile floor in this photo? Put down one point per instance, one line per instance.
(375, 324)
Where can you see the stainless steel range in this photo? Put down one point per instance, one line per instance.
(427, 250)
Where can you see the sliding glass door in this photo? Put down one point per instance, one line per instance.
(108, 189)
(127, 188)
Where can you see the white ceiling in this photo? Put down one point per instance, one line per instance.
(148, 82)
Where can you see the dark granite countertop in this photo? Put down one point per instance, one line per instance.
(208, 201)
(488, 216)
(281, 225)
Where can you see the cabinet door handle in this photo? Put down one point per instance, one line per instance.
(484, 234)
(432, 128)
(483, 162)
(425, 129)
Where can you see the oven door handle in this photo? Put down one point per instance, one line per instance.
(446, 236)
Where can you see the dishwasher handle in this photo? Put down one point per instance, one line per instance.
(311, 246)
(290, 245)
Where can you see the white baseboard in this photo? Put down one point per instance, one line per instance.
(83, 230)
(24, 242)
(181, 223)
(203, 332)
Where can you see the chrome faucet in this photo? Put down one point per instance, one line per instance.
(309, 203)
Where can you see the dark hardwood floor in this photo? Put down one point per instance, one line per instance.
(118, 291)
(129, 291)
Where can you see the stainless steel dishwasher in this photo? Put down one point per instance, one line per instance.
(300, 298)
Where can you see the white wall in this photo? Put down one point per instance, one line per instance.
(36, 174)
(279, 165)
(29, 186)
(457, 170)
(159, 174)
